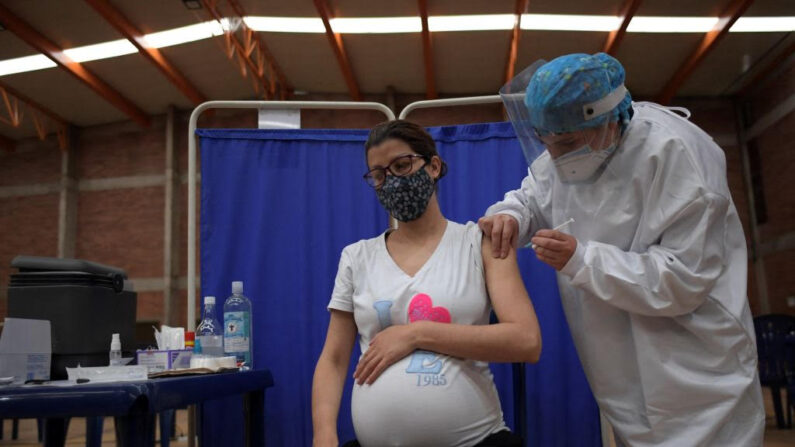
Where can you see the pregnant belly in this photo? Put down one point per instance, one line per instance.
(427, 400)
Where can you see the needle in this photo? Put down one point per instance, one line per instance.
(571, 220)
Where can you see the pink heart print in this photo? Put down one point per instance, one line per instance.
(421, 308)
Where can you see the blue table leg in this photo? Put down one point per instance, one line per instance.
(166, 427)
(55, 431)
(254, 403)
(198, 421)
(94, 431)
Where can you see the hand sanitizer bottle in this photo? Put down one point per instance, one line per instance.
(115, 351)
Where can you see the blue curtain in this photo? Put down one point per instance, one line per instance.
(278, 206)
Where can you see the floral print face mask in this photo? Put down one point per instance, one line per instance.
(406, 197)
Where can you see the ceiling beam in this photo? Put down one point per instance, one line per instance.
(335, 39)
(39, 111)
(45, 46)
(153, 55)
(513, 47)
(33, 104)
(243, 51)
(615, 37)
(285, 87)
(7, 144)
(427, 52)
(733, 11)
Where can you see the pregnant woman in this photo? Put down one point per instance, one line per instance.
(419, 297)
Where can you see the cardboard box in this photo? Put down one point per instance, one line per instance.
(158, 361)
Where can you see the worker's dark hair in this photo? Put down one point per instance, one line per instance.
(414, 135)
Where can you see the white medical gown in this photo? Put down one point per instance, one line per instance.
(655, 295)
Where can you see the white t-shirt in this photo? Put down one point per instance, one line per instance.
(425, 399)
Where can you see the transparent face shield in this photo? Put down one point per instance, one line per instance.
(512, 95)
(578, 161)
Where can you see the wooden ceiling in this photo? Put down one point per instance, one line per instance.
(279, 65)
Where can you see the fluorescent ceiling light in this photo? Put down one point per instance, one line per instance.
(763, 24)
(496, 22)
(484, 22)
(99, 51)
(285, 24)
(185, 34)
(640, 24)
(561, 22)
(376, 25)
(358, 25)
(25, 64)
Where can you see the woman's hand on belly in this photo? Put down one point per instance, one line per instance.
(386, 348)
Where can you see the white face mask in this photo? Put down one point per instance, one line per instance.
(583, 165)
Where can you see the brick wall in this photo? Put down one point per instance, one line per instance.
(28, 224)
(777, 160)
(124, 226)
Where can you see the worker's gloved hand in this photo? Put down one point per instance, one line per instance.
(554, 247)
(503, 230)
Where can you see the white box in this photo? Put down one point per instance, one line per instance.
(25, 349)
(158, 361)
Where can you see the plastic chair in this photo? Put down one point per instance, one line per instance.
(771, 333)
(790, 359)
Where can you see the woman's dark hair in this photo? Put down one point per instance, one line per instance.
(414, 135)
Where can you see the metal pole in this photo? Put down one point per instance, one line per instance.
(170, 226)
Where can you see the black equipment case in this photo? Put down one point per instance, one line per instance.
(85, 302)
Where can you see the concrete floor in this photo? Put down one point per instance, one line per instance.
(77, 429)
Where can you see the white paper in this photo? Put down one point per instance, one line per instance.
(100, 374)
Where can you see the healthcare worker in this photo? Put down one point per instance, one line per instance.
(652, 265)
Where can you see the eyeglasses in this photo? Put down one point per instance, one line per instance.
(563, 143)
(399, 167)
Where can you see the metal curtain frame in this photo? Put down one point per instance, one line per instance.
(449, 102)
(519, 407)
(194, 117)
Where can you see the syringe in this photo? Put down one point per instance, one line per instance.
(571, 220)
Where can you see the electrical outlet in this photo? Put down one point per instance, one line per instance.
(791, 301)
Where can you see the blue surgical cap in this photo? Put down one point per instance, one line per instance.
(560, 88)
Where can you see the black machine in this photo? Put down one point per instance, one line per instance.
(85, 303)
